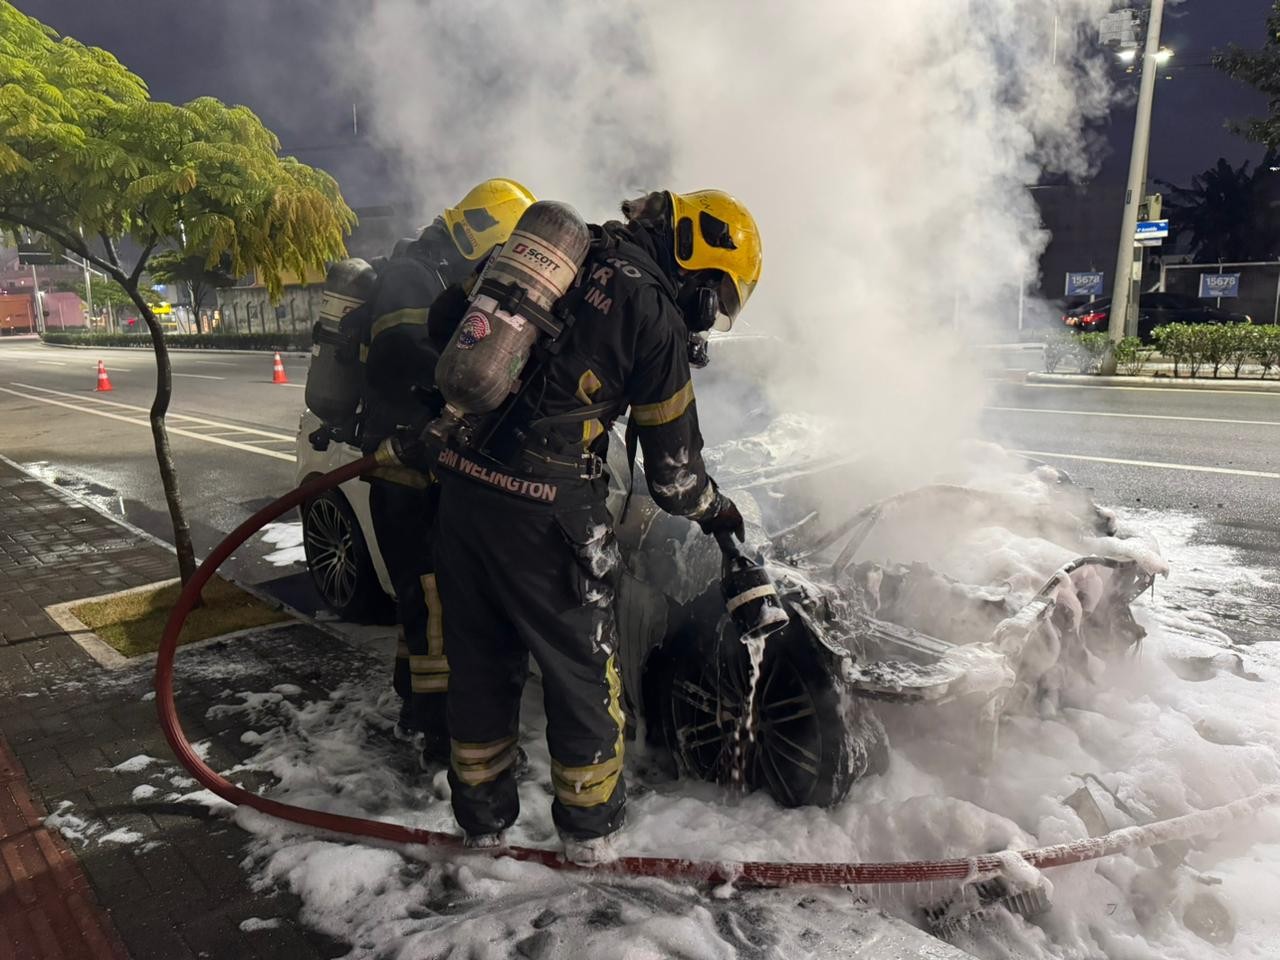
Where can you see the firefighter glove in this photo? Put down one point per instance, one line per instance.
(722, 516)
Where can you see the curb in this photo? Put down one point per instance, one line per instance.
(293, 354)
(1168, 383)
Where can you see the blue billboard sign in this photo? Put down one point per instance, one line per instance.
(1085, 284)
(1219, 285)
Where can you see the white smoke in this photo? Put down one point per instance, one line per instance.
(884, 147)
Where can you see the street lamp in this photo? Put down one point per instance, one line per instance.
(1128, 275)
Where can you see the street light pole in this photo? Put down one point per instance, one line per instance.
(1124, 299)
(35, 292)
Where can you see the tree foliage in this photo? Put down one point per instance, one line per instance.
(87, 157)
(1227, 212)
(192, 271)
(1260, 69)
(84, 148)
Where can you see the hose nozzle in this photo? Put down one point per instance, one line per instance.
(750, 597)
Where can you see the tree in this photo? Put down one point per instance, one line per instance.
(193, 272)
(1260, 69)
(86, 153)
(1227, 212)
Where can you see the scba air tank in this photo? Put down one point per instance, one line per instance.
(510, 308)
(333, 380)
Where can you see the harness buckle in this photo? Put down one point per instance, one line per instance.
(594, 467)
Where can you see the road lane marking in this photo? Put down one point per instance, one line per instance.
(216, 363)
(52, 363)
(1134, 416)
(300, 386)
(220, 424)
(1149, 463)
(1102, 386)
(198, 376)
(176, 431)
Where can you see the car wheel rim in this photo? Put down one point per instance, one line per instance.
(331, 554)
(784, 756)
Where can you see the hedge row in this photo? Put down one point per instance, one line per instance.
(1230, 346)
(196, 341)
(1193, 347)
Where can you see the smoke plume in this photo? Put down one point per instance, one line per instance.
(885, 149)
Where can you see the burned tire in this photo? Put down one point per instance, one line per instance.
(338, 557)
(812, 741)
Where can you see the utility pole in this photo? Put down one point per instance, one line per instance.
(35, 293)
(88, 283)
(88, 288)
(1128, 276)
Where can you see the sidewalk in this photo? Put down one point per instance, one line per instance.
(132, 878)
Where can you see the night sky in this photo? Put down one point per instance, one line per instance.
(266, 54)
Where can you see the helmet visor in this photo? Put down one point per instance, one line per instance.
(731, 301)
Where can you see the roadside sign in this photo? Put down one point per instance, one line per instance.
(162, 309)
(1085, 284)
(1219, 285)
(31, 255)
(1152, 230)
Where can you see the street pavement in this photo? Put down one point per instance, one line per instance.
(232, 432)
(1214, 455)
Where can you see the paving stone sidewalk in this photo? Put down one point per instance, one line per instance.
(164, 879)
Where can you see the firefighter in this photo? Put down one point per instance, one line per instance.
(399, 359)
(529, 560)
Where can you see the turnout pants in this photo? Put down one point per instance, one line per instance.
(520, 579)
(403, 521)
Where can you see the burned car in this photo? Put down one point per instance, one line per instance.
(802, 722)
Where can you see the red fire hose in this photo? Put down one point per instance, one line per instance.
(761, 874)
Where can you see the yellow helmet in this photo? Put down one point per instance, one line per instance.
(713, 231)
(486, 216)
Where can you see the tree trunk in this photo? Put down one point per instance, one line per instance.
(164, 454)
(198, 294)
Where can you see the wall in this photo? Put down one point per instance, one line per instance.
(63, 311)
(15, 314)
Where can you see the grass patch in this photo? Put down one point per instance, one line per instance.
(133, 623)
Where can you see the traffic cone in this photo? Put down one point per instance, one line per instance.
(277, 371)
(104, 382)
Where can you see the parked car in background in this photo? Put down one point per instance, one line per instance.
(1154, 310)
